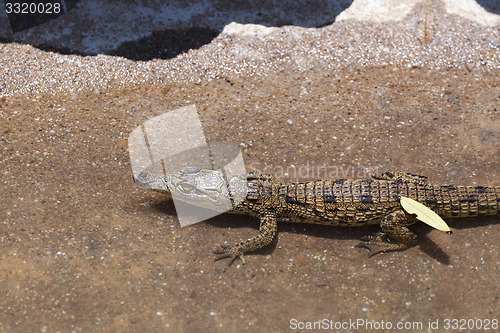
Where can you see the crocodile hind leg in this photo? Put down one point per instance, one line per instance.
(395, 235)
(267, 230)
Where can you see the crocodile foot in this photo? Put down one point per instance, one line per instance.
(380, 243)
(232, 252)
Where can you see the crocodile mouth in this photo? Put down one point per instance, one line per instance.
(150, 182)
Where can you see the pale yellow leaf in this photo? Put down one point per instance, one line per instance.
(424, 214)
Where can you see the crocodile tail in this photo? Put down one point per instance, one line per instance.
(467, 201)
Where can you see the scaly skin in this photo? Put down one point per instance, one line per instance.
(342, 202)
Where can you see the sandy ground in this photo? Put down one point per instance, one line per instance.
(82, 248)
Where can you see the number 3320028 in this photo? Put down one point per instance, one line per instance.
(32, 8)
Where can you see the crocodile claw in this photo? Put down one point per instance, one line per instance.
(231, 252)
(373, 248)
(375, 244)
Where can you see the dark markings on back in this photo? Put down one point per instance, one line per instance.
(329, 199)
(366, 199)
(480, 189)
(470, 199)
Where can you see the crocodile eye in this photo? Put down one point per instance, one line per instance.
(186, 187)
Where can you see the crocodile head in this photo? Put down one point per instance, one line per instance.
(199, 187)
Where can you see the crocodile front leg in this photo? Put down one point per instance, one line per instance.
(267, 230)
(395, 236)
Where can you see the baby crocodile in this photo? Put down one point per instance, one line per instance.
(336, 202)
